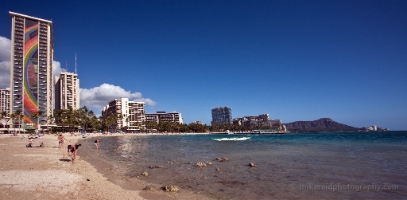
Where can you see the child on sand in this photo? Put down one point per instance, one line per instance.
(61, 140)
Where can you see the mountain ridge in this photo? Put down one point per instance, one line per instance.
(322, 124)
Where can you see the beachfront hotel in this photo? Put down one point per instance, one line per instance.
(162, 116)
(5, 100)
(262, 120)
(67, 91)
(221, 115)
(32, 52)
(130, 113)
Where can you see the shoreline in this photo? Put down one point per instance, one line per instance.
(47, 173)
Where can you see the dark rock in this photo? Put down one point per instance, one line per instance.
(154, 167)
(224, 159)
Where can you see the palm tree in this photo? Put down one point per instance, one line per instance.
(17, 114)
(85, 117)
(37, 115)
(50, 120)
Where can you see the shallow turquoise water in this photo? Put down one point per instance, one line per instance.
(295, 165)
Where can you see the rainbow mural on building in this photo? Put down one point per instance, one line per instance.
(30, 91)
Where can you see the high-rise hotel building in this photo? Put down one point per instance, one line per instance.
(221, 115)
(129, 114)
(32, 52)
(67, 91)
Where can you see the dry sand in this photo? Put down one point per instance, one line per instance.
(47, 173)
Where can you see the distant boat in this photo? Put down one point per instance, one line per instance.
(232, 139)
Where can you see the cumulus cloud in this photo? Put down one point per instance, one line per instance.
(4, 49)
(4, 62)
(4, 74)
(56, 66)
(98, 97)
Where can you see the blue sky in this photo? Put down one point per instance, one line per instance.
(294, 60)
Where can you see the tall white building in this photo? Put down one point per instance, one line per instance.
(32, 53)
(130, 113)
(67, 91)
(5, 100)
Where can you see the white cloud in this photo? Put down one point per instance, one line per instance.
(57, 68)
(98, 97)
(4, 62)
(5, 49)
(4, 74)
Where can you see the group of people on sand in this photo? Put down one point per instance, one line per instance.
(32, 140)
(73, 149)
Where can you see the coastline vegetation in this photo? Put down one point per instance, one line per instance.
(71, 120)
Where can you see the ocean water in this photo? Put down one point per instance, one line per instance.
(370, 165)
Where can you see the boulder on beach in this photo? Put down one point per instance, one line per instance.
(251, 164)
(144, 174)
(170, 188)
(148, 188)
(223, 159)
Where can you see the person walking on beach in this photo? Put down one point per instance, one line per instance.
(61, 140)
(72, 151)
(97, 142)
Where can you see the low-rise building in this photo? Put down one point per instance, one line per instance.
(258, 121)
(162, 116)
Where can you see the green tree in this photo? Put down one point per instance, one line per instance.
(85, 117)
(18, 116)
(36, 116)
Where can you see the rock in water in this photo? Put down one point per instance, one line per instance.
(170, 188)
(200, 164)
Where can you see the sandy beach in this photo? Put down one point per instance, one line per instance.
(48, 173)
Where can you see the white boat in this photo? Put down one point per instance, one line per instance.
(232, 139)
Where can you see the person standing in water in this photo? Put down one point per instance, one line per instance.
(97, 142)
